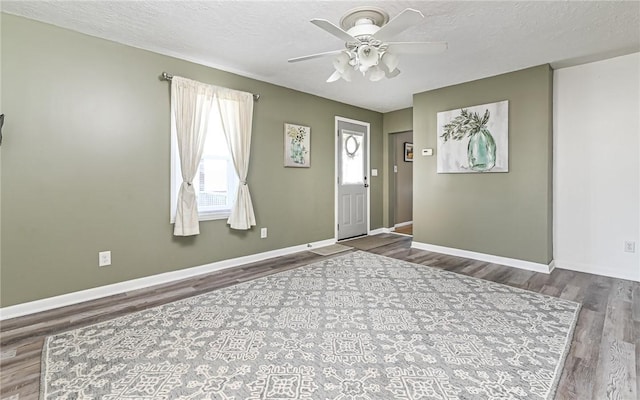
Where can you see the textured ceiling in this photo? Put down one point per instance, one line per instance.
(255, 38)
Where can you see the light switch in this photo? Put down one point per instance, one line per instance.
(427, 152)
(374, 172)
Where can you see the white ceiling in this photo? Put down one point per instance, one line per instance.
(255, 38)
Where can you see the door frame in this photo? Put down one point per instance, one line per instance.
(367, 125)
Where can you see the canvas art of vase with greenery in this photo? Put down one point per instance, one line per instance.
(481, 150)
(474, 139)
(297, 151)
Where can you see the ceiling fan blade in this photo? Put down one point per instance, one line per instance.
(417, 47)
(317, 55)
(333, 29)
(399, 23)
(334, 77)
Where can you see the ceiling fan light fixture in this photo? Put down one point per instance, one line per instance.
(341, 62)
(363, 27)
(390, 61)
(348, 73)
(365, 32)
(376, 73)
(368, 56)
(392, 74)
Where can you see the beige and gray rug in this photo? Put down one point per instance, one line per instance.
(357, 326)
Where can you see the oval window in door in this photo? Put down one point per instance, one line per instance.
(351, 145)
(352, 168)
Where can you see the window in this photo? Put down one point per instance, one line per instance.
(216, 182)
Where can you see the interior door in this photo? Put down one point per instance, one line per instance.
(353, 180)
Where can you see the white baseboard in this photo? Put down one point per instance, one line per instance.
(379, 231)
(511, 262)
(598, 270)
(403, 224)
(49, 303)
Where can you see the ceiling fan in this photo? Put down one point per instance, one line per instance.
(366, 31)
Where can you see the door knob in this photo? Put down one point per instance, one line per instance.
(366, 185)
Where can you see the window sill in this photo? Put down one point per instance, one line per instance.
(208, 216)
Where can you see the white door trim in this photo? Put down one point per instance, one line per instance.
(335, 168)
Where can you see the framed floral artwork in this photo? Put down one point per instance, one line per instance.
(297, 146)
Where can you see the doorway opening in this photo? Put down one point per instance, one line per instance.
(401, 182)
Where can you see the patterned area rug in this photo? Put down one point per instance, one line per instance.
(357, 326)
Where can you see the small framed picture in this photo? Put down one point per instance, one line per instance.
(297, 146)
(408, 152)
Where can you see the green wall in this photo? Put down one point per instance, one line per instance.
(398, 121)
(392, 122)
(85, 165)
(503, 214)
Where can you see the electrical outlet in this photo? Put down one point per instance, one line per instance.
(630, 247)
(104, 258)
(263, 233)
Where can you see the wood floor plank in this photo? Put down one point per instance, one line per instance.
(597, 297)
(580, 368)
(616, 371)
(635, 300)
(637, 343)
(550, 290)
(576, 380)
(519, 277)
(602, 362)
(588, 335)
(571, 292)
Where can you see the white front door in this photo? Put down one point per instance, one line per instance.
(353, 180)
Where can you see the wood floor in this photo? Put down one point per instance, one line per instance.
(405, 230)
(603, 362)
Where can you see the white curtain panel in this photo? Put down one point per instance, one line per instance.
(191, 104)
(236, 113)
